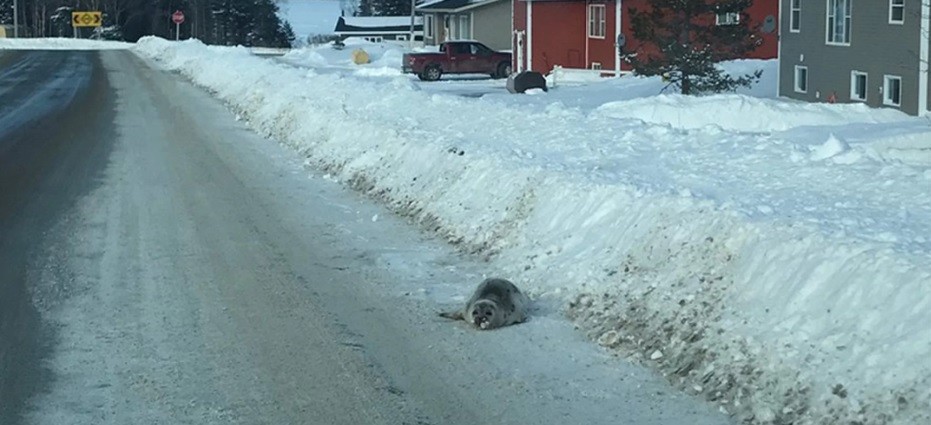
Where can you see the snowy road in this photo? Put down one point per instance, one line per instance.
(160, 263)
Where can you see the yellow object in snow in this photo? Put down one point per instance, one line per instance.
(359, 57)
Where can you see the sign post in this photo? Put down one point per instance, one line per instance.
(178, 19)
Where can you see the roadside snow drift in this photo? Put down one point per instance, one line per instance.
(778, 270)
(61, 44)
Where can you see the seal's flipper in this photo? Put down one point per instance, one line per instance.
(454, 315)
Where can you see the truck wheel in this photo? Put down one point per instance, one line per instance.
(504, 70)
(432, 73)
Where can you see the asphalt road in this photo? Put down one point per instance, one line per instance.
(47, 100)
(160, 263)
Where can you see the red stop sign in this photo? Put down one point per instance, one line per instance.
(177, 17)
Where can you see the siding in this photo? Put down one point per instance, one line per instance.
(876, 48)
(565, 47)
(492, 25)
(437, 29)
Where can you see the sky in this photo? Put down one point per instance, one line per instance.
(310, 16)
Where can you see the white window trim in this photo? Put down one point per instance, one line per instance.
(886, 100)
(795, 26)
(596, 66)
(601, 24)
(827, 25)
(853, 86)
(428, 26)
(460, 27)
(796, 80)
(718, 22)
(891, 7)
(924, 77)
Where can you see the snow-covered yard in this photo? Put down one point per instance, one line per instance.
(768, 254)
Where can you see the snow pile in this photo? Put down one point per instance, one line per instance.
(384, 58)
(786, 290)
(594, 93)
(743, 113)
(831, 148)
(909, 148)
(309, 57)
(61, 44)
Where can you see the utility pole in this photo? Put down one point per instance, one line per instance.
(15, 18)
(411, 42)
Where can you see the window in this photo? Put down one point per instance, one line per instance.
(374, 39)
(801, 79)
(795, 16)
(892, 90)
(596, 21)
(479, 49)
(858, 86)
(428, 26)
(461, 48)
(400, 37)
(896, 11)
(596, 65)
(839, 22)
(465, 27)
(727, 18)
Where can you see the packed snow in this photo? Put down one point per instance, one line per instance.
(767, 254)
(61, 44)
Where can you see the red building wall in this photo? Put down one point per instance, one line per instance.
(560, 33)
(759, 11)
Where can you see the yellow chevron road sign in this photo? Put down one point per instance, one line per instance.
(86, 19)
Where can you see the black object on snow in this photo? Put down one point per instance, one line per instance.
(526, 80)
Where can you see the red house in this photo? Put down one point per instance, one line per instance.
(582, 34)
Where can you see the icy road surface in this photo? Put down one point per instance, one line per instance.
(161, 263)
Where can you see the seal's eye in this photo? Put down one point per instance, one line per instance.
(488, 313)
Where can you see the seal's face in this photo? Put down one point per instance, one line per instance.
(484, 314)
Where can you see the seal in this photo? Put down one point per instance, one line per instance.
(496, 303)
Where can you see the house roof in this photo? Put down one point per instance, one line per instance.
(452, 5)
(377, 24)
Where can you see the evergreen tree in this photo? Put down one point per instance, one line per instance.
(685, 41)
(367, 8)
(384, 8)
(6, 12)
(395, 7)
(227, 22)
(286, 35)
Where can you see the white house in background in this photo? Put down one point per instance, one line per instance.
(379, 28)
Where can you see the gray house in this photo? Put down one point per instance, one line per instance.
(870, 51)
(487, 21)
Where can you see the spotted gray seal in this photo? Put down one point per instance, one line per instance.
(495, 303)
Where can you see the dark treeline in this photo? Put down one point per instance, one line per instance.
(223, 22)
(385, 7)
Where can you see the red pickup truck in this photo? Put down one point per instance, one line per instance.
(458, 57)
